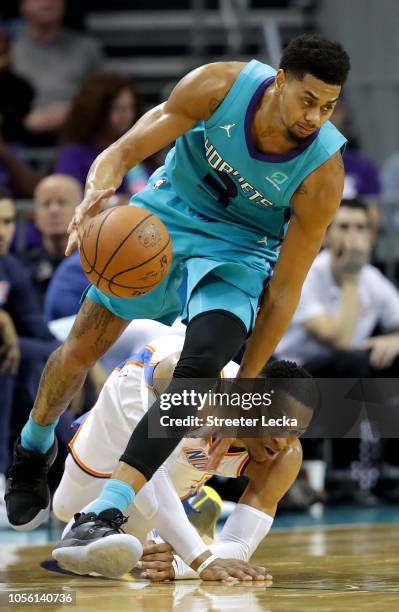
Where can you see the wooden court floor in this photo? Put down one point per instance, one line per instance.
(323, 569)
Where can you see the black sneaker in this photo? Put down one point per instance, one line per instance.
(96, 543)
(27, 494)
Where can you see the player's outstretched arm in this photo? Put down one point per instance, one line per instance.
(315, 204)
(194, 98)
(268, 483)
(172, 523)
(252, 518)
(243, 531)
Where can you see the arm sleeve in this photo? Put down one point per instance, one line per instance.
(168, 517)
(241, 535)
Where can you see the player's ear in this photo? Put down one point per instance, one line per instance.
(280, 81)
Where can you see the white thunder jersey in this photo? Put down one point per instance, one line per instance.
(126, 396)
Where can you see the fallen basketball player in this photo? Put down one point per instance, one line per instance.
(270, 463)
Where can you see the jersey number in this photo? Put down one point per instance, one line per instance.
(227, 191)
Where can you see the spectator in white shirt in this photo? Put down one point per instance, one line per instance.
(343, 299)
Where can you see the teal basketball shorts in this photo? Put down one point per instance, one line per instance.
(221, 274)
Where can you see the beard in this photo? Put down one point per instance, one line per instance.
(294, 138)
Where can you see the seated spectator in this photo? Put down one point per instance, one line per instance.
(65, 289)
(343, 299)
(106, 106)
(54, 59)
(55, 199)
(16, 95)
(361, 174)
(16, 177)
(25, 340)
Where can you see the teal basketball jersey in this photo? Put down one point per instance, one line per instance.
(216, 169)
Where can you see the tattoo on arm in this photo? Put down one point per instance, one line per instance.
(103, 325)
(95, 329)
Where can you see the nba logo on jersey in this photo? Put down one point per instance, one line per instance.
(196, 457)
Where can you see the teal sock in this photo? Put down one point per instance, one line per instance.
(115, 494)
(36, 437)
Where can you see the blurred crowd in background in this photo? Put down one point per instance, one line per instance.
(59, 108)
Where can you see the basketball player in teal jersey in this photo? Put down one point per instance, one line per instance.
(256, 168)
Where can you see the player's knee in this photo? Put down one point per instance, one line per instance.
(63, 506)
(212, 339)
(204, 364)
(76, 356)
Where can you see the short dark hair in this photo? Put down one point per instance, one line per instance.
(285, 376)
(313, 54)
(356, 203)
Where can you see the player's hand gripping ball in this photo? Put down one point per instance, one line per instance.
(125, 251)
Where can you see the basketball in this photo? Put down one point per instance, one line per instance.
(125, 251)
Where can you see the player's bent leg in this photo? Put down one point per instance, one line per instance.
(27, 495)
(94, 331)
(212, 339)
(75, 490)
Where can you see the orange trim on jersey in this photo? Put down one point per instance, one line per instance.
(78, 430)
(76, 458)
(85, 468)
(242, 464)
(186, 496)
(137, 363)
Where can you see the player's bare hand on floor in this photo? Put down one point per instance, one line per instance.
(157, 559)
(90, 206)
(230, 569)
